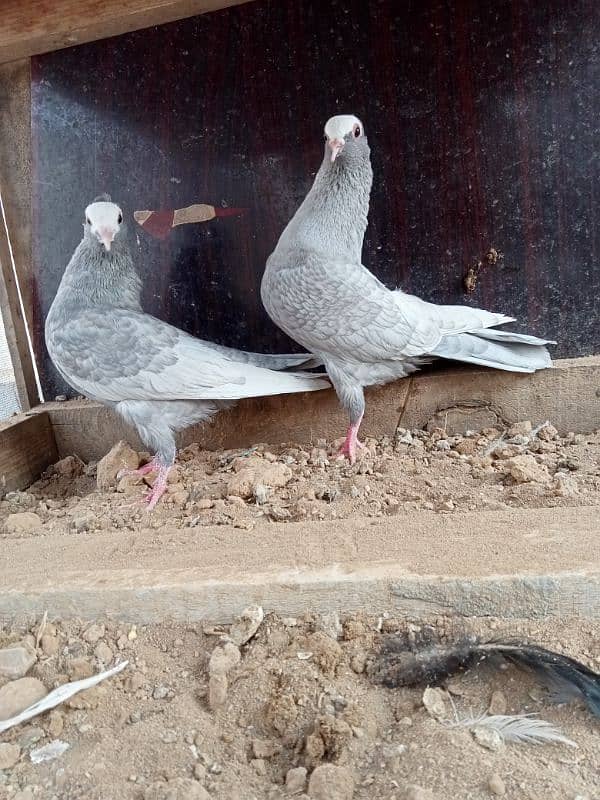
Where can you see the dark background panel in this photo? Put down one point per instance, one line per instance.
(482, 118)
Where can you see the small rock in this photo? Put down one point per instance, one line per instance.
(330, 624)
(200, 772)
(223, 658)
(169, 736)
(261, 494)
(496, 785)
(90, 698)
(520, 429)
(31, 736)
(121, 456)
(22, 522)
(547, 433)
(103, 653)
(69, 467)
(295, 780)
(259, 766)
(49, 644)
(9, 755)
(176, 789)
(436, 701)
(246, 625)
(56, 724)
(358, 662)
(252, 472)
(79, 668)
(19, 695)
(217, 690)
(94, 633)
(564, 485)
(22, 499)
(498, 703)
(204, 504)
(414, 792)
(488, 738)
(329, 782)
(16, 661)
(467, 447)
(160, 692)
(84, 521)
(525, 469)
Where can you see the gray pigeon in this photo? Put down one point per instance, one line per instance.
(317, 290)
(158, 378)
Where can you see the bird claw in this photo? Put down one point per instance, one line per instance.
(349, 448)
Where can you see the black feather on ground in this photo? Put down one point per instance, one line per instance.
(404, 663)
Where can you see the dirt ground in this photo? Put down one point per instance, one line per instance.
(195, 717)
(298, 697)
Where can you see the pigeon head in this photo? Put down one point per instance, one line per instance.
(344, 135)
(103, 221)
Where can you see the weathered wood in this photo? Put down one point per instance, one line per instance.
(15, 190)
(402, 564)
(27, 448)
(458, 399)
(28, 27)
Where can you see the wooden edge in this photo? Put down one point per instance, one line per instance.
(27, 448)
(458, 399)
(31, 27)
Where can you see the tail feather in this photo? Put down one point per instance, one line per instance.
(483, 349)
(400, 664)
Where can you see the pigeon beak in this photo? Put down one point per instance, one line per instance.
(336, 146)
(106, 236)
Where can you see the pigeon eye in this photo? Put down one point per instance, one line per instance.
(87, 219)
(356, 131)
(120, 219)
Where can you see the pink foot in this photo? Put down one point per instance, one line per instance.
(151, 466)
(352, 444)
(157, 491)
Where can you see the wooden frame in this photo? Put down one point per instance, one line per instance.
(30, 27)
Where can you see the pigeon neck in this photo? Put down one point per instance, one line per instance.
(333, 217)
(95, 278)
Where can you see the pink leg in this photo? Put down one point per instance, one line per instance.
(160, 484)
(151, 466)
(351, 444)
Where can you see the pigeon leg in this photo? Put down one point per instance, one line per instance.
(352, 443)
(160, 484)
(151, 466)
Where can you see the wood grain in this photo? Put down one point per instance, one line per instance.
(27, 448)
(28, 27)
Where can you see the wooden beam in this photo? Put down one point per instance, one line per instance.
(29, 27)
(27, 448)
(15, 189)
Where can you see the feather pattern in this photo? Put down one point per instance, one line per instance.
(515, 728)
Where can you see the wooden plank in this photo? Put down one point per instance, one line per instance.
(459, 399)
(15, 189)
(30, 27)
(27, 448)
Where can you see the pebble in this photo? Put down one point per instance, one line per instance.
(94, 633)
(435, 701)
(498, 704)
(169, 736)
(259, 766)
(22, 522)
(488, 738)
(496, 785)
(246, 625)
(69, 467)
(31, 736)
(200, 772)
(252, 472)
(203, 504)
(520, 428)
(56, 724)
(217, 690)
(80, 668)
(16, 661)
(19, 695)
(121, 456)
(295, 780)
(103, 653)
(23, 499)
(264, 748)
(330, 782)
(358, 662)
(9, 755)
(49, 644)
(84, 521)
(525, 469)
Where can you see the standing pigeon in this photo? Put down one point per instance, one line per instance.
(317, 290)
(160, 379)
